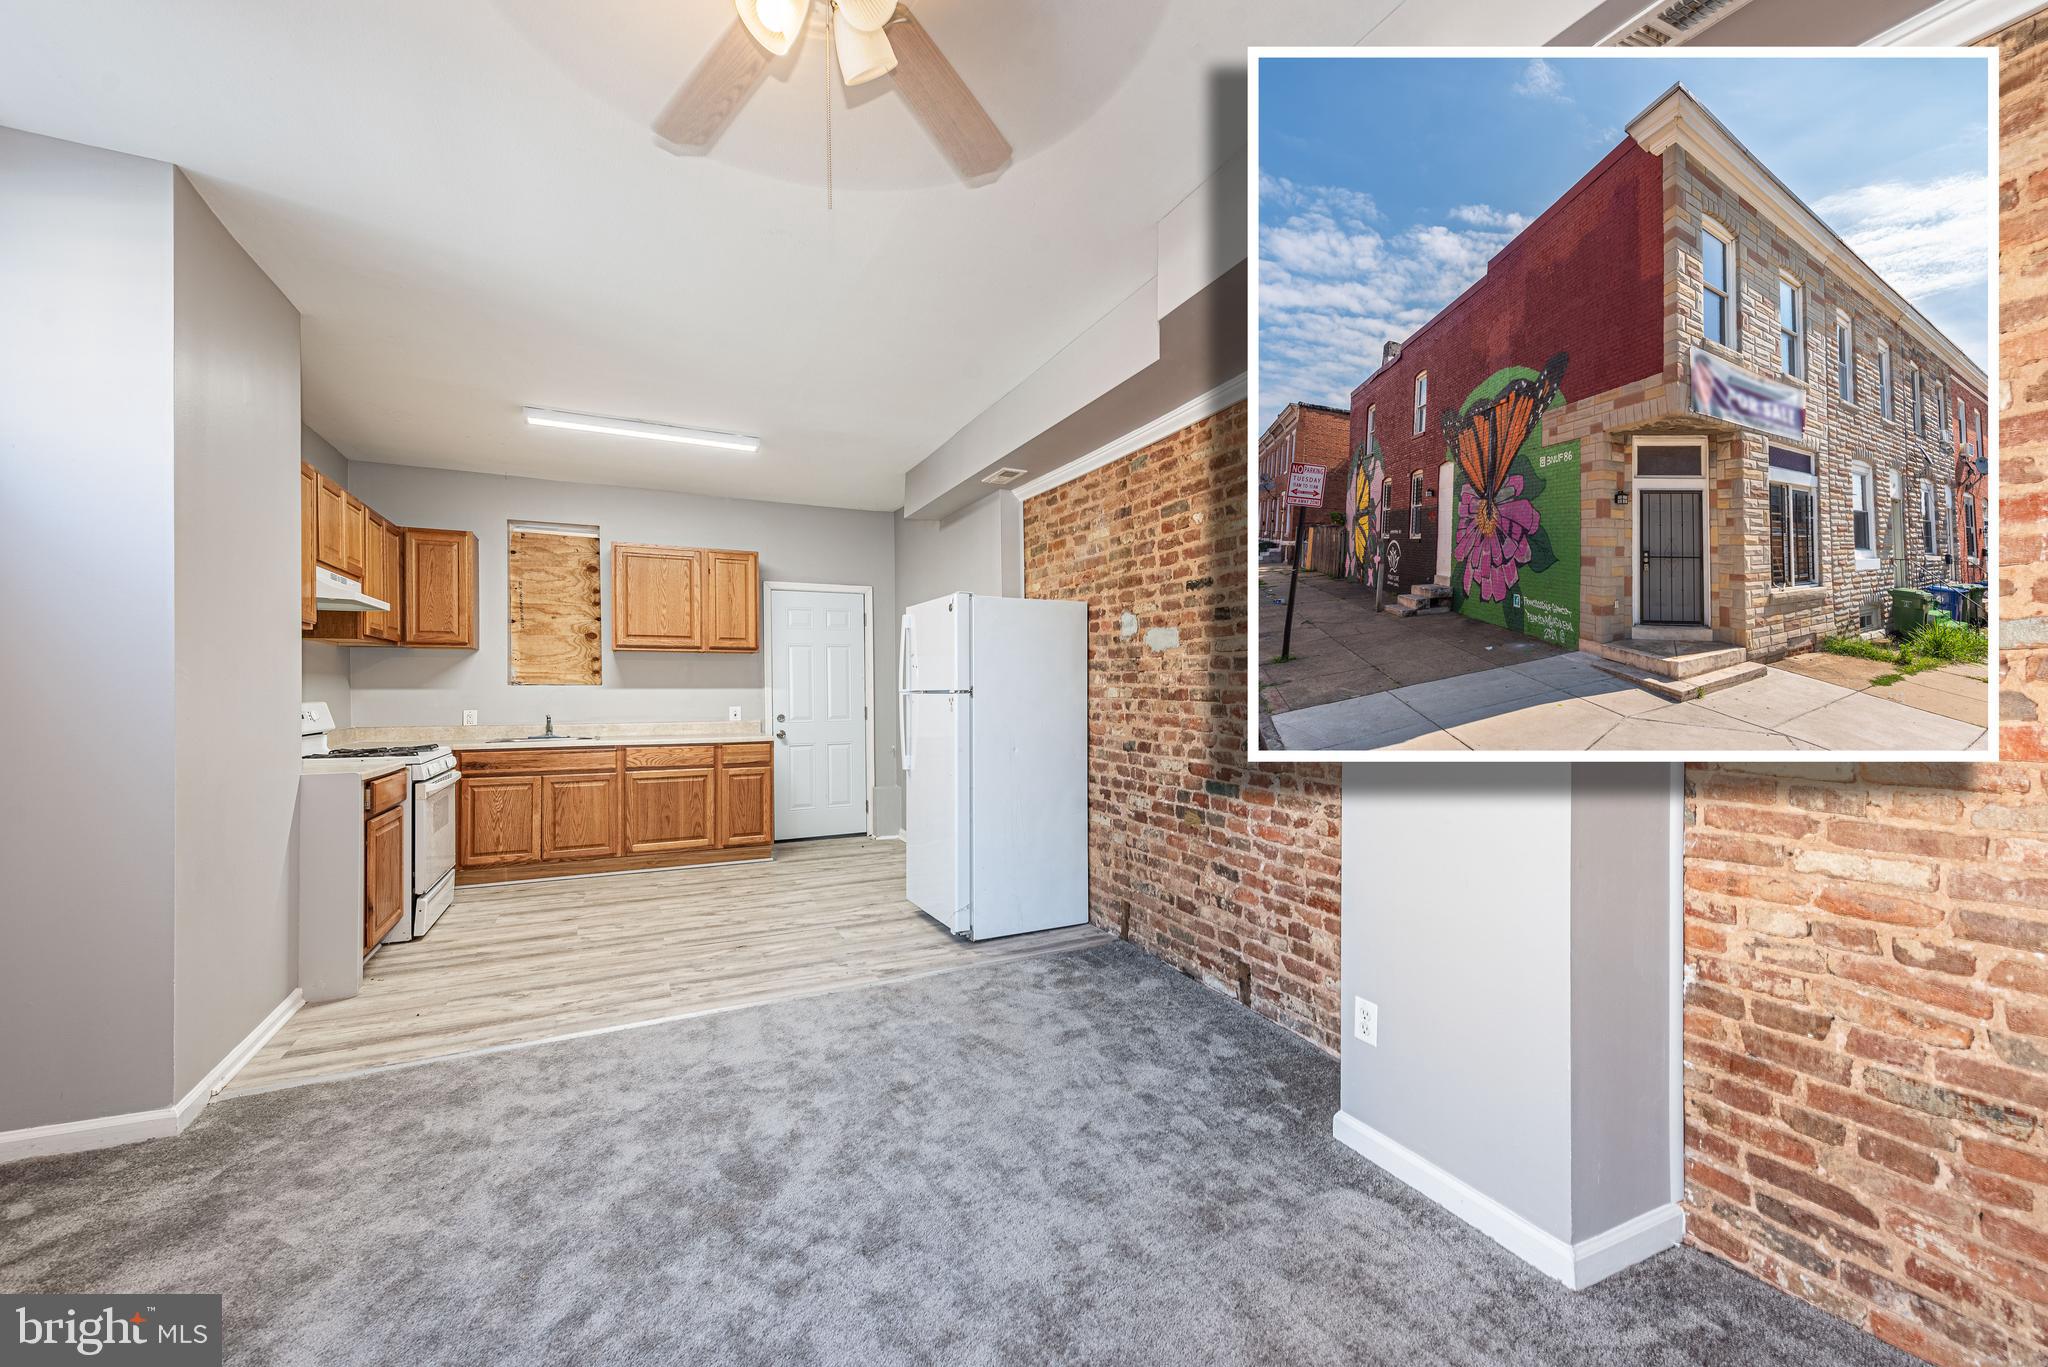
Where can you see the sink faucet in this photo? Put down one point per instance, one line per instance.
(550, 731)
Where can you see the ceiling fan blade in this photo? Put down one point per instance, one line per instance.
(943, 103)
(714, 93)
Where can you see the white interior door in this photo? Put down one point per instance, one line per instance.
(820, 725)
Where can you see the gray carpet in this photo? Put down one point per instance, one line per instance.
(1078, 1158)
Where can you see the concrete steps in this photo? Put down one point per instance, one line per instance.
(1675, 669)
(1688, 688)
(1422, 600)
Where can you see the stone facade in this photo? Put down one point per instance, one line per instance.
(1902, 454)
(1227, 872)
(1303, 433)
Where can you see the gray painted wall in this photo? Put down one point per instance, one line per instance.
(1468, 956)
(324, 666)
(1513, 922)
(797, 543)
(964, 553)
(86, 474)
(236, 371)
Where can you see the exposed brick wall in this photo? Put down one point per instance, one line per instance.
(1215, 864)
(1867, 1036)
(1303, 434)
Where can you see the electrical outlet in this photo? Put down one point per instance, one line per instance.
(732, 714)
(469, 716)
(1365, 1021)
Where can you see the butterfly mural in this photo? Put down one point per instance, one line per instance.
(1365, 477)
(1496, 523)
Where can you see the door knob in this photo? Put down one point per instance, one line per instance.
(781, 734)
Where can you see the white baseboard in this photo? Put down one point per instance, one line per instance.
(105, 1132)
(1576, 1265)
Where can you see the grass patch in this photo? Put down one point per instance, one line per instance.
(1932, 646)
(1861, 649)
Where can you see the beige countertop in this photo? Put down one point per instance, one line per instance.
(518, 735)
(581, 742)
(362, 768)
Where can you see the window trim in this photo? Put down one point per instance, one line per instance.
(1415, 489)
(1919, 407)
(1809, 483)
(1797, 369)
(1930, 520)
(1371, 413)
(1421, 401)
(1970, 547)
(1726, 289)
(1845, 357)
(1886, 407)
(1863, 481)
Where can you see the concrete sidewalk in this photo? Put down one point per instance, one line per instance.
(1565, 703)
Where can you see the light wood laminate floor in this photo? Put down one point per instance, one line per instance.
(534, 961)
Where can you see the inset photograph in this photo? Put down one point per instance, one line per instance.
(1623, 404)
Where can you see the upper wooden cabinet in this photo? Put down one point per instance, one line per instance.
(382, 577)
(355, 522)
(685, 598)
(330, 543)
(438, 572)
(309, 536)
(732, 600)
(657, 597)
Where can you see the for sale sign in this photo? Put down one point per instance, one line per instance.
(1304, 486)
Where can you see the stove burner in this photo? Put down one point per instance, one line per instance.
(380, 752)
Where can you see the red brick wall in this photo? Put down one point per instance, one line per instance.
(1215, 864)
(1586, 278)
(1318, 438)
(1867, 1036)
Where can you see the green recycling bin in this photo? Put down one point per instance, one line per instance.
(1909, 611)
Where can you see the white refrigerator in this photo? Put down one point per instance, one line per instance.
(994, 711)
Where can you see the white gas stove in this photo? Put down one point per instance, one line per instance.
(429, 811)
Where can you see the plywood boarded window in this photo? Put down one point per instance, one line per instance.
(555, 604)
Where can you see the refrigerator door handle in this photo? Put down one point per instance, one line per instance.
(903, 695)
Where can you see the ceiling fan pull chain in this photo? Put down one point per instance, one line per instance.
(829, 16)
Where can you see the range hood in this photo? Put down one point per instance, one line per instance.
(337, 593)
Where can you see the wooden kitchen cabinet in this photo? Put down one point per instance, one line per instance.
(309, 537)
(383, 874)
(657, 598)
(746, 796)
(579, 816)
(498, 820)
(438, 575)
(685, 598)
(671, 809)
(355, 526)
(381, 580)
(330, 543)
(732, 600)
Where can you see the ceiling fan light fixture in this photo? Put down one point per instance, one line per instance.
(866, 15)
(863, 54)
(774, 24)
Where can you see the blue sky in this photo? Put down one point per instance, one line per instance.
(1386, 183)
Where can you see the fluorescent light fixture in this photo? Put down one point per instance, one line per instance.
(645, 431)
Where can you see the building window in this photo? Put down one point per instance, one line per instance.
(1977, 432)
(1962, 423)
(1930, 530)
(1884, 381)
(1715, 250)
(1862, 510)
(1940, 409)
(1845, 359)
(1791, 327)
(1371, 412)
(1421, 402)
(1415, 503)
(1970, 527)
(1792, 519)
(1919, 414)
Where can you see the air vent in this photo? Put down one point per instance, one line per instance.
(1009, 474)
(1677, 22)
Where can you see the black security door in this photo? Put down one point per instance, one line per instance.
(1674, 559)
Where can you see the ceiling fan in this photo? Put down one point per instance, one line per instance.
(873, 38)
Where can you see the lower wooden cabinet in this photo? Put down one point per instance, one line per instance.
(579, 816)
(383, 875)
(532, 813)
(670, 809)
(746, 801)
(498, 820)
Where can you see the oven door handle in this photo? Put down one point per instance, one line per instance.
(445, 781)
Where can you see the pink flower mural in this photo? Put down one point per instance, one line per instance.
(1493, 538)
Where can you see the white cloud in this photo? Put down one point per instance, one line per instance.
(1334, 287)
(1922, 237)
(1541, 81)
(1486, 216)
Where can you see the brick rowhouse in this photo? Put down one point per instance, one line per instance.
(1227, 872)
(1866, 1046)
(1302, 434)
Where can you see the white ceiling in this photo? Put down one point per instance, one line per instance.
(464, 201)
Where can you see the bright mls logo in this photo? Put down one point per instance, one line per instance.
(169, 1330)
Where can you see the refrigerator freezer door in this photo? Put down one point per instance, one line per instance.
(935, 824)
(1028, 791)
(935, 645)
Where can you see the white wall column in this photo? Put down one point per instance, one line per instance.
(1515, 930)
